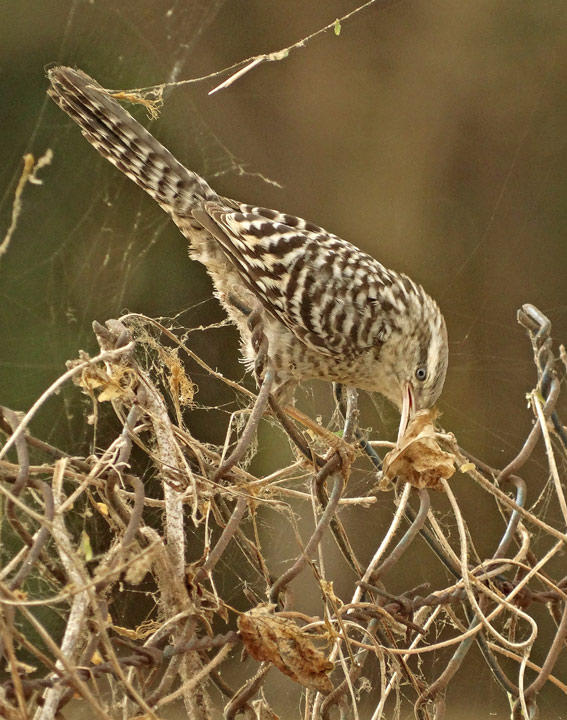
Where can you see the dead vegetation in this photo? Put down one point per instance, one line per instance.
(82, 534)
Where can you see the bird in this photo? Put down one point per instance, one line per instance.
(329, 310)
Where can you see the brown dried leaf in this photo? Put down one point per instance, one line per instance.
(121, 382)
(270, 637)
(418, 459)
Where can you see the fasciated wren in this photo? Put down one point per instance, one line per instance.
(331, 311)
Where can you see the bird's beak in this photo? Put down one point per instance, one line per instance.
(408, 408)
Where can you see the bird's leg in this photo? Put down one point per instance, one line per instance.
(265, 376)
(278, 411)
(354, 432)
(340, 445)
(294, 434)
(258, 338)
(259, 342)
(333, 440)
(342, 452)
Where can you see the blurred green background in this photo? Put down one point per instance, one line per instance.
(432, 134)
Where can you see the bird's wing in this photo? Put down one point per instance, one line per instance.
(329, 293)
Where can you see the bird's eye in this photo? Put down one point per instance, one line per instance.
(421, 373)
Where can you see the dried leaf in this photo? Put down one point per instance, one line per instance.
(97, 658)
(467, 467)
(418, 458)
(110, 392)
(270, 637)
(120, 383)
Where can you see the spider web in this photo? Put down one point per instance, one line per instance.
(431, 137)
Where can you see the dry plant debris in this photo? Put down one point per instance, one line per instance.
(418, 459)
(120, 568)
(269, 637)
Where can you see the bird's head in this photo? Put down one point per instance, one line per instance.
(419, 358)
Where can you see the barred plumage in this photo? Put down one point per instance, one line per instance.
(333, 312)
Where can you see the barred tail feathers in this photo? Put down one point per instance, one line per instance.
(126, 143)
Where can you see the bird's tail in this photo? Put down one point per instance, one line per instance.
(126, 144)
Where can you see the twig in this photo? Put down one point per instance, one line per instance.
(284, 53)
(29, 175)
(77, 369)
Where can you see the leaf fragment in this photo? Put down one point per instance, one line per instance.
(418, 459)
(269, 637)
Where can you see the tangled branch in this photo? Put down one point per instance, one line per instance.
(154, 485)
